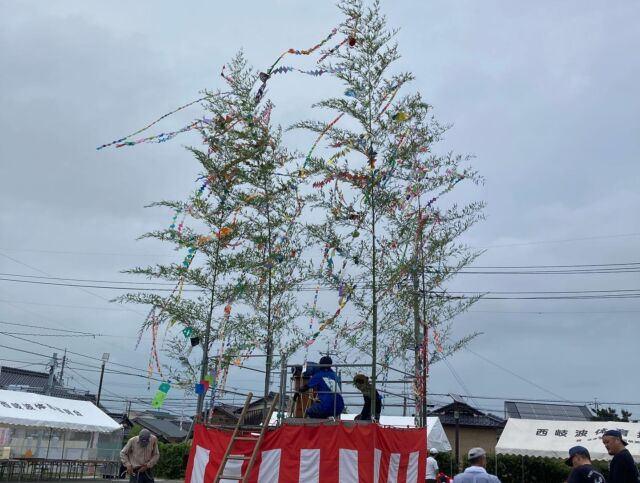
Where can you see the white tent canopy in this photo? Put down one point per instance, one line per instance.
(436, 437)
(35, 410)
(552, 439)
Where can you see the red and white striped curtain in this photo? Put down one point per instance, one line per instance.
(340, 453)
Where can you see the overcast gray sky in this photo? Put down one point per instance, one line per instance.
(543, 93)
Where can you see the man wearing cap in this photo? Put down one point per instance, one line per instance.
(582, 472)
(476, 472)
(622, 468)
(432, 466)
(139, 455)
(325, 382)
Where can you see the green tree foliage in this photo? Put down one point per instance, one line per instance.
(382, 191)
(240, 237)
(611, 414)
(173, 460)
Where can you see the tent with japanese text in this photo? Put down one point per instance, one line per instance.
(552, 439)
(36, 410)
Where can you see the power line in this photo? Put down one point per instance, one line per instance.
(66, 306)
(543, 242)
(108, 287)
(77, 332)
(82, 279)
(627, 267)
(509, 371)
(70, 352)
(510, 267)
(600, 294)
(66, 333)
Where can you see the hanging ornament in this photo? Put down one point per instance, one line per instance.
(187, 331)
(352, 41)
(161, 395)
(400, 116)
(225, 232)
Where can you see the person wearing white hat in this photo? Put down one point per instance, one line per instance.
(476, 472)
(432, 466)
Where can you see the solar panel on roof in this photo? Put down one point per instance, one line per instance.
(558, 412)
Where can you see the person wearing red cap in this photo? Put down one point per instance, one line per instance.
(580, 459)
(622, 468)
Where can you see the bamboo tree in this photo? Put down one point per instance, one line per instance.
(382, 178)
(224, 226)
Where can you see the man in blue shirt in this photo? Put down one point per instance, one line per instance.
(476, 473)
(325, 383)
(583, 472)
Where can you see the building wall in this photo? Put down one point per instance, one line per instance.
(472, 437)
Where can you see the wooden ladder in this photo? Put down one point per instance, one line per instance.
(237, 436)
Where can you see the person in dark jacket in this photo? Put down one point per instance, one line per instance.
(362, 384)
(622, 468)
(325, 383)
(583, 472)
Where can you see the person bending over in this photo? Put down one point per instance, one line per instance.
(325, 383)
(362, 384)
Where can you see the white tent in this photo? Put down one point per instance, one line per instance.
(552, 439)
(35, 410)
(436, 437)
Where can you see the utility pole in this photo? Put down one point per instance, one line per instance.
(105, 358)
(456, 416)
(64, 361)
(52, 368)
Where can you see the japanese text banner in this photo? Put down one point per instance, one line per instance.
(533, 437)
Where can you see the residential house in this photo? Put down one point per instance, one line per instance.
(474, 427)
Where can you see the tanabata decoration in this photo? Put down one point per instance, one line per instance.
(121, 140)
(315, 144)
(400, 116)
(162, 137)
(200, 389)
(315, 73)
(161, 395)
(187, 331)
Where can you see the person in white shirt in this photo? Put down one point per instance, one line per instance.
(476, 473)
(432, 466)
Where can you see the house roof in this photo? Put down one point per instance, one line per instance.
(549, 412)
(163, 428)
(12, 378)
(467, 415)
